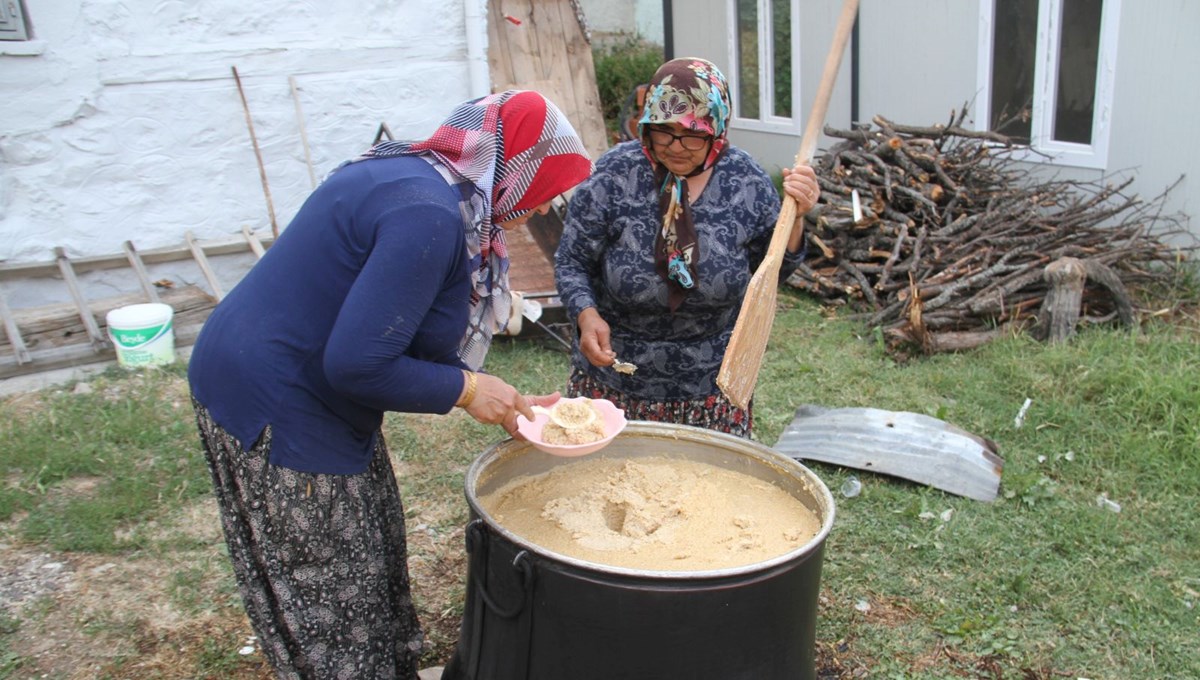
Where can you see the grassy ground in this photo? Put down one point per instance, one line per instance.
(112, 564)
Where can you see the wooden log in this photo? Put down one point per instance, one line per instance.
(1098, 272)
(1060, 311)
(911, 446)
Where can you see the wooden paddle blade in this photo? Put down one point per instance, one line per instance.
(743, 358)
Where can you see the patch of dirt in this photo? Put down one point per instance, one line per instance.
(173, 615)
(178, 615)
(26, 576)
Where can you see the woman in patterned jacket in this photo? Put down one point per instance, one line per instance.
(381, 295)
(658, 248)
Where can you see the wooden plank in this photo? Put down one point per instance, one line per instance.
(58, 324)
(202, 261)
(139, 269)
(20, 352)
(229, 246)
(85, 314)
(80, 355)
(911, 446)
(548, 52)
(256, 246)
(52, 332)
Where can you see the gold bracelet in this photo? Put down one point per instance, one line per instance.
(472, 383)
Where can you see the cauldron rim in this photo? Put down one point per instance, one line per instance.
(765, 456)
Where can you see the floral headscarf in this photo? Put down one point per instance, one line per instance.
(517, 151)
(691, 92)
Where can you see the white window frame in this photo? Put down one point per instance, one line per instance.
(768, 122)
(1043, 147)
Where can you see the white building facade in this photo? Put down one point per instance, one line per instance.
(123, 120)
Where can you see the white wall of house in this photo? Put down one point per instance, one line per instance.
(918, 61)
(121, 120)
(606, 18)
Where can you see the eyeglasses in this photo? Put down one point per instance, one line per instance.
(690, 142)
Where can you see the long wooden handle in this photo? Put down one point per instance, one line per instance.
(262, 171)
(816, 119)
(833, 62)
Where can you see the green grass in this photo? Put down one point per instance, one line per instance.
(1043, 578)
(917, 583)
(86, 468)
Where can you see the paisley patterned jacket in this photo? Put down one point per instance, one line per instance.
(605, 260)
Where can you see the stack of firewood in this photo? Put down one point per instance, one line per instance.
(952, 239)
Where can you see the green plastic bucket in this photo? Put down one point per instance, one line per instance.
(143, 335)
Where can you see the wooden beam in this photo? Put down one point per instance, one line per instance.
(14, 334)
(256, 246)
(139, 269)
(229, 246)
(202, 262)
(85, 313)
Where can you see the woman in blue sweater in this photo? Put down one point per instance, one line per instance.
(658, 248)
(381, 295)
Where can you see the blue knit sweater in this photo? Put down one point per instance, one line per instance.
(358, 308)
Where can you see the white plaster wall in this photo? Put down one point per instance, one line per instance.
(643, 18)
(122, 120)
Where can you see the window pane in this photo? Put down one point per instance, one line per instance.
(747, 39)
(781, 17)
(1079, 53)
(1014, 49)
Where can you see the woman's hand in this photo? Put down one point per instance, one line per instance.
(800, 183)
(594, 338)
(498, 403)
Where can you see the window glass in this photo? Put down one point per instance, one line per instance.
(1014, 50)
(1079, 54)
(747, 47)
(781, 19)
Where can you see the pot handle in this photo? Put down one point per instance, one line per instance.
(477, 547)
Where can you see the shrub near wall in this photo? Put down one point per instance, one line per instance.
(621, 66)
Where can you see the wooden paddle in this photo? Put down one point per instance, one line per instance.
(743, 357)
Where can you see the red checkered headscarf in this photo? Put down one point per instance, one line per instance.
(517, 150)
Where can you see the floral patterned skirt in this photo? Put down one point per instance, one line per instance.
(320, 561)
(714, 412)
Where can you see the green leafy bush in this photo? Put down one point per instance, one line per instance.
(621, 66)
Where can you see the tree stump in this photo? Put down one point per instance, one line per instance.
(1060, 310)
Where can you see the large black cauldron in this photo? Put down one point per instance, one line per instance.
(533, 614)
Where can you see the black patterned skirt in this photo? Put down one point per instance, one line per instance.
(320, 560)
(714, 412)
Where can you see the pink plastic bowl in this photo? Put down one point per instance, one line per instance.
(614, 422)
